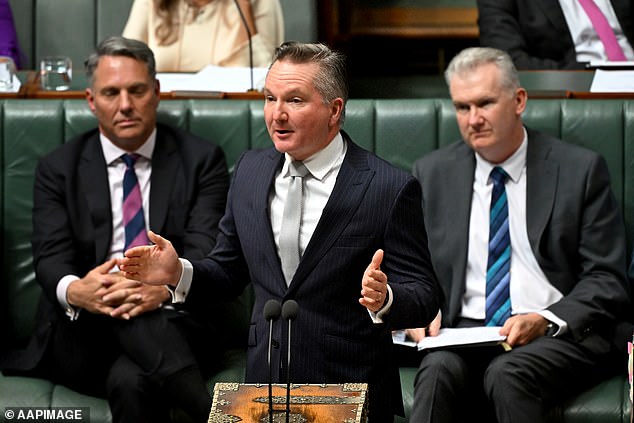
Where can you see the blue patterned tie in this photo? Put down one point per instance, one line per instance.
(498, 301)
(133, 219)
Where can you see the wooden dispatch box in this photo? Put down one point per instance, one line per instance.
(327, 403)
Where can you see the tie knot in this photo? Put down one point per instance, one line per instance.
(130, 159)
(498, 175)
(297, 168)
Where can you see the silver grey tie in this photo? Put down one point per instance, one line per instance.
(291, 221)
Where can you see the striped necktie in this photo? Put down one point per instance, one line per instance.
(291, 221)
(604, 30)
(498, 301)
(133, 218)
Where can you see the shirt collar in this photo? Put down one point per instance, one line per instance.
(513, 166)
(322, 162)
(112, 153)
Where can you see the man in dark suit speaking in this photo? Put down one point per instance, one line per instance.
(358, 262)
(525, 234)
(98, 332)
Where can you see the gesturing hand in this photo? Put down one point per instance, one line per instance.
(157, 264)
(374, 284)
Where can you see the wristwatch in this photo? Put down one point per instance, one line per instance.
(551, 329)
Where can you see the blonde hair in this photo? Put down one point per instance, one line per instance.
(169, 23)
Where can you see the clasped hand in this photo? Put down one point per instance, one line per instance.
(102, 291)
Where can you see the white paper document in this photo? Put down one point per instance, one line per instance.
(612, 81)
(606, 64)
(214, 79)
(455, 337)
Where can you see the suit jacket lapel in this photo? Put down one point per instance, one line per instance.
(459, 179)
(263, 180)
(352, 182)
(552, 10)
(541, 184)
(164, 170)
(93, 177)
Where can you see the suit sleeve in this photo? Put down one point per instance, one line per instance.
(57, 252)
(407, 262)
(600, 294)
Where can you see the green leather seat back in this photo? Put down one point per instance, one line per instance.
(405, 130)
(228, 124)
(29, 131)
(360, 122)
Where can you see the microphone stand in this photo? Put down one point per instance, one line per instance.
(246, 27)
(272, 310)
(289, 312)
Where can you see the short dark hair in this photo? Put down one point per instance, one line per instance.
(120, 46)
(331, 81)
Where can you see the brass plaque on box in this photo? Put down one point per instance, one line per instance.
(309, 403)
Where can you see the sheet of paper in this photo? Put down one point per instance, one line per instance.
(214, 79)
(400, 338)
(462, 336)
(612, 81)
(605, 64)
(15, 87)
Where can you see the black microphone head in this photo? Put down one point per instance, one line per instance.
(272, 310)
(289, 310)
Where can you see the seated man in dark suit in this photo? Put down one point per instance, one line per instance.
(557, 34)
(526, 235)
(98, 332)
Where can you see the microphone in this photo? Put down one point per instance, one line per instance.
(272, 311)
(290, 309)
(246, 27)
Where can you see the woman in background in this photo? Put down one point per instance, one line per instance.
(187, 35)
(8, 38)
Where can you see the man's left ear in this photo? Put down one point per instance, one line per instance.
(90, 100)
(520, 97)
(336, 109)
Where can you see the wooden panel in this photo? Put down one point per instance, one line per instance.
(451, 22)
(248, 403)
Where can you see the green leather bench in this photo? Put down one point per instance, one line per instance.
(398, 130)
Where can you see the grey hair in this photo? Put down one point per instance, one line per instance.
(119, 46)
(471, 58)
(331, 81)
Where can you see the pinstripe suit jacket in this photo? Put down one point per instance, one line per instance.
(373, 205)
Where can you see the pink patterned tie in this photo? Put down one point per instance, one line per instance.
(604, 30)
(133, 219)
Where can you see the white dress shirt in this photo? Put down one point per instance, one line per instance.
(530, 290)
(588, 46)
(116, 170)
(323, 168)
